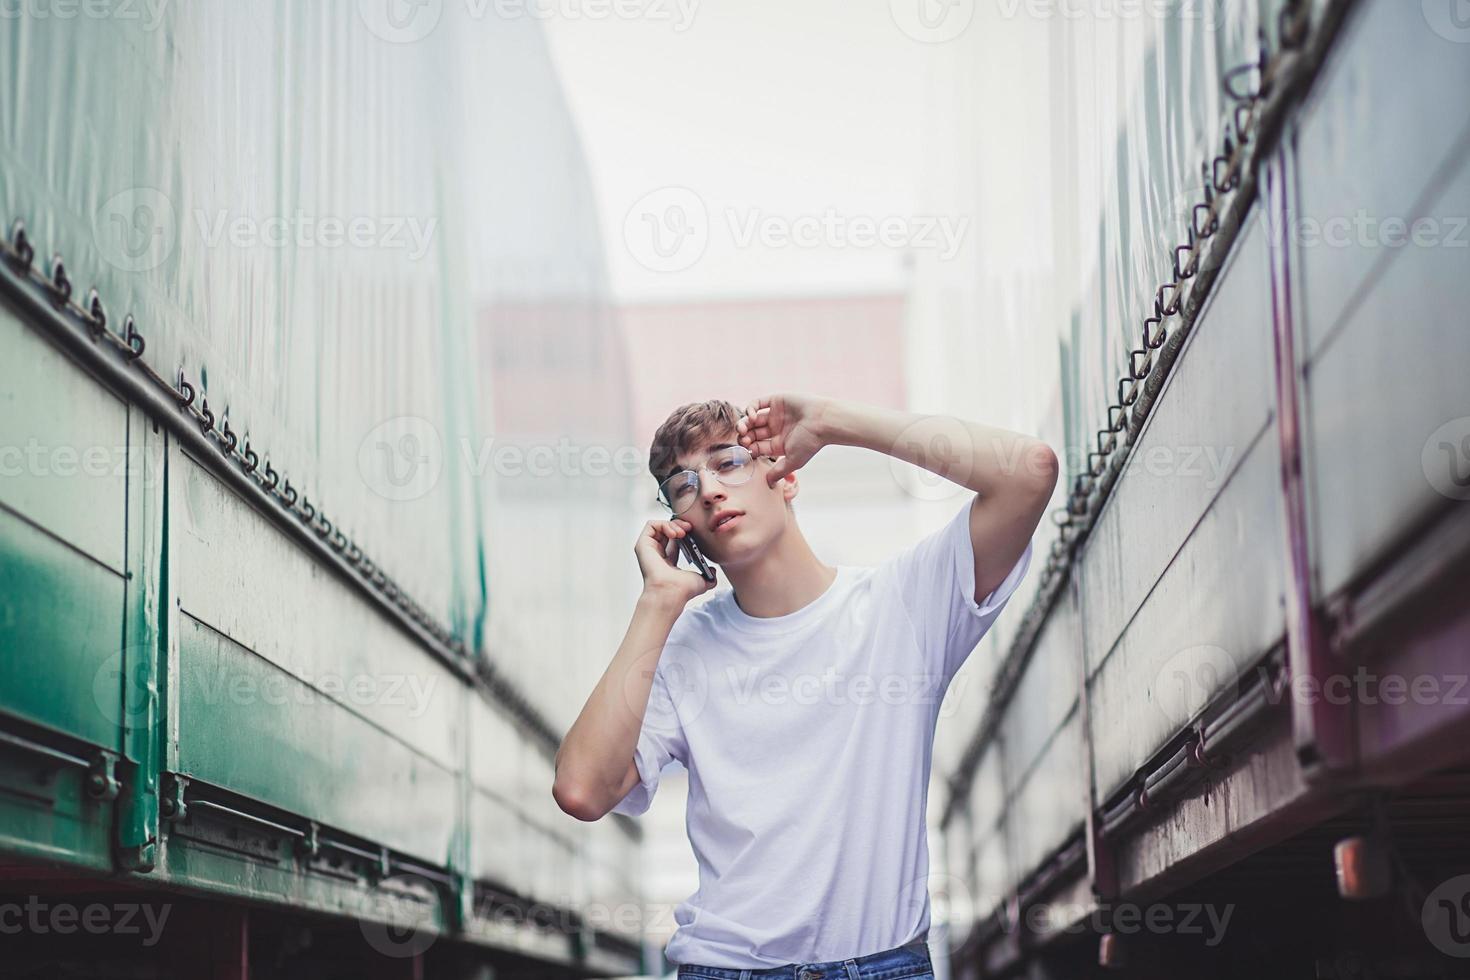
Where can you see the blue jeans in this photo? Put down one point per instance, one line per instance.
(890, 964)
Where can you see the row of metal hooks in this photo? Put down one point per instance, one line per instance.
(130, 342)
(1247, 86)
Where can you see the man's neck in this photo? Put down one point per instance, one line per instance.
(786, 578)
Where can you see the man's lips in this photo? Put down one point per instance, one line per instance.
(729, 524)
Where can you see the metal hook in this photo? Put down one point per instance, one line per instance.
(60, 282)
(1212, 222)
(252, 460)
(25, 252)
(96, 311)
(131, 334)
(1186, 273)
(1131, 385)
(1135, 372)
(186, 391)
(1149, 340)
(1229, 83)
(1117, 424)
(1162, 309)
(271, 478)
(206, 422)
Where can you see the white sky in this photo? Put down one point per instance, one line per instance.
(759, 107)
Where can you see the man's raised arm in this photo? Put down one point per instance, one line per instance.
(1013, 474)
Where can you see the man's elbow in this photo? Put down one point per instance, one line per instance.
(576, 802)
(1042, 467)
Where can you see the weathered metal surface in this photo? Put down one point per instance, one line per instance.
(1213, 408)
(987, 803)
(63, 445)
(1212, 613)
(247, 725)
(1040, 747)
(1046, 809)
(235, 572)
(144, 653)
(1365, 157)
(1413, 715)
(1374, 462)
(1260, 798)
(59, 602)
(46, 813)
(1045, 699)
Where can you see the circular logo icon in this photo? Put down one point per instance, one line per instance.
(1191, 679)
(121, 688)
(1450, 19)
(930, 442)
(678, 692)
(667, 230)
(1446, 917)
(402, 458)
(400, 21)
(932, 21)
(136, 229)
(937, 899)
(1446, 458)
(401, 921)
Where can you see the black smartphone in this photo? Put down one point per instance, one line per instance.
(696, 557)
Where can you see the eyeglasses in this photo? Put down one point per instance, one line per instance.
(732, 466)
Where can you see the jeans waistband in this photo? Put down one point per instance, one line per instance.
(908, 960)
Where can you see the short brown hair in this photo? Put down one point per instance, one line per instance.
(687, 429)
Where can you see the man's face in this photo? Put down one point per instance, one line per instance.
(760, 509)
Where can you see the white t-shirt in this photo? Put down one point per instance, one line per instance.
(808, 739)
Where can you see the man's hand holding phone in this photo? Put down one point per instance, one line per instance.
(657, 550)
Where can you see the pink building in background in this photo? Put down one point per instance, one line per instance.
(840, 346)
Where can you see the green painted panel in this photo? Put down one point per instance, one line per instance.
(63, 444)
(206, 868)
(61, 627)
(46, 814)
(257, 730)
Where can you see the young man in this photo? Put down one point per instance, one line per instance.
(803, 699)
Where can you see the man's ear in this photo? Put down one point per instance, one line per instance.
(789, 487)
